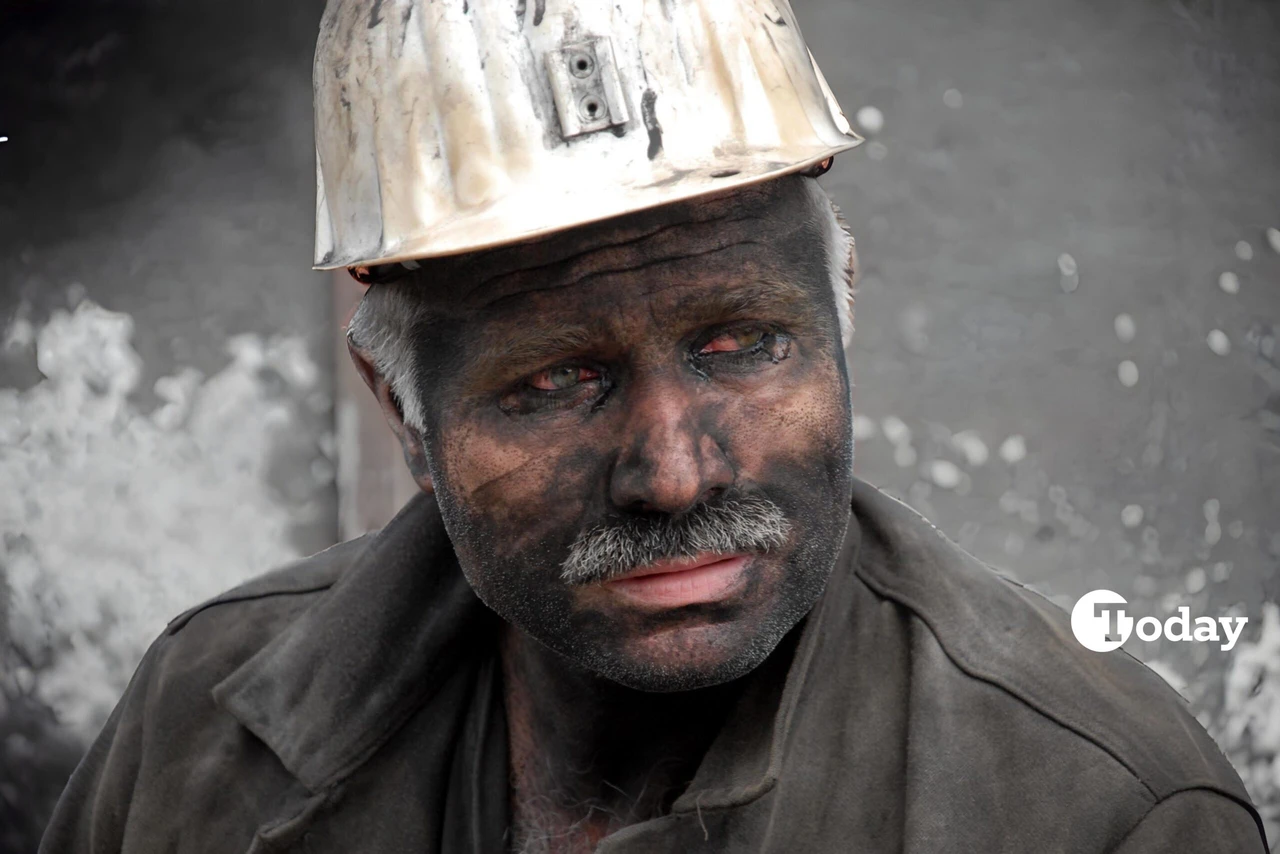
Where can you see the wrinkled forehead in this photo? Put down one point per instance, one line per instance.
(772, 232)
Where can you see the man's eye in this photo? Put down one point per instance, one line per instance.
(732, 342)
(561, 378)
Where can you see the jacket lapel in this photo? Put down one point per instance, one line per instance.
(399, 654)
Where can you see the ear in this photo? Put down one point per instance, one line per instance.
(410, 439)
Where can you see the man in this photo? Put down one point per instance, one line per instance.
(641, 604)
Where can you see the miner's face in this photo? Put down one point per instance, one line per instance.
(639, 433)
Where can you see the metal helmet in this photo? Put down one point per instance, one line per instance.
(447, 126)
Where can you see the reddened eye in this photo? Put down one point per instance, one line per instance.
(560, 378)
(731, 342)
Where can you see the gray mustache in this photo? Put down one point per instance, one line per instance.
(614, 547)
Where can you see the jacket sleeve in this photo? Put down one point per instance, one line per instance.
(92, 813)
(1196, 821)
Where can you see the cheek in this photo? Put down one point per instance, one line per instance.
(801, 424)
(520, 485)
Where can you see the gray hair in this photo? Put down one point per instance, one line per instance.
(745, 523)
(388, 318)
(384, 327)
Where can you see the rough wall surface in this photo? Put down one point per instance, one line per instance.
(165, 382)
(1066, 350)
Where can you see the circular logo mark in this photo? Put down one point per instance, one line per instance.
(1091, 621)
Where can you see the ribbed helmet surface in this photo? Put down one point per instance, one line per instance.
(446, 126)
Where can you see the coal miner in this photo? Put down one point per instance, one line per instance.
(641, 603)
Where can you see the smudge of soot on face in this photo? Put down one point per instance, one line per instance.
(674, 355)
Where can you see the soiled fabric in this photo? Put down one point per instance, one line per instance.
(353, 703)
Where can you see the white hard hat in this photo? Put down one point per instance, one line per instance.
(447, 126)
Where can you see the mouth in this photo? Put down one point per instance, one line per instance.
(684, 581)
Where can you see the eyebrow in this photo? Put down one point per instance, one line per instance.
(511, 353)
(760, 299)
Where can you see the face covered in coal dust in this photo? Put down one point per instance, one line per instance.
(639, 432)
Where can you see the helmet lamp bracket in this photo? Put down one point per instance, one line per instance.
(584, 82)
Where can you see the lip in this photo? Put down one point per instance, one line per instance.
(689, 581)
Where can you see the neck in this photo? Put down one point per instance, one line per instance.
(588, 755)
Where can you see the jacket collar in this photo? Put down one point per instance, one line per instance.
(341, 680)
(330, 690)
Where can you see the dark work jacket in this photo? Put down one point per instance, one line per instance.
(352, 702)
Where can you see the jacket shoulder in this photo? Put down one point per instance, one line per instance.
(995, 629)
(309, 575)
(168, 735)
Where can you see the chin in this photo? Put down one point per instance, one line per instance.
(698, 646)
(685, 658)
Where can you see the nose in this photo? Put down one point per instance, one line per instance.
(668, 463)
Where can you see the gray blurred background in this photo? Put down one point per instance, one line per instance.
(1067, 328)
